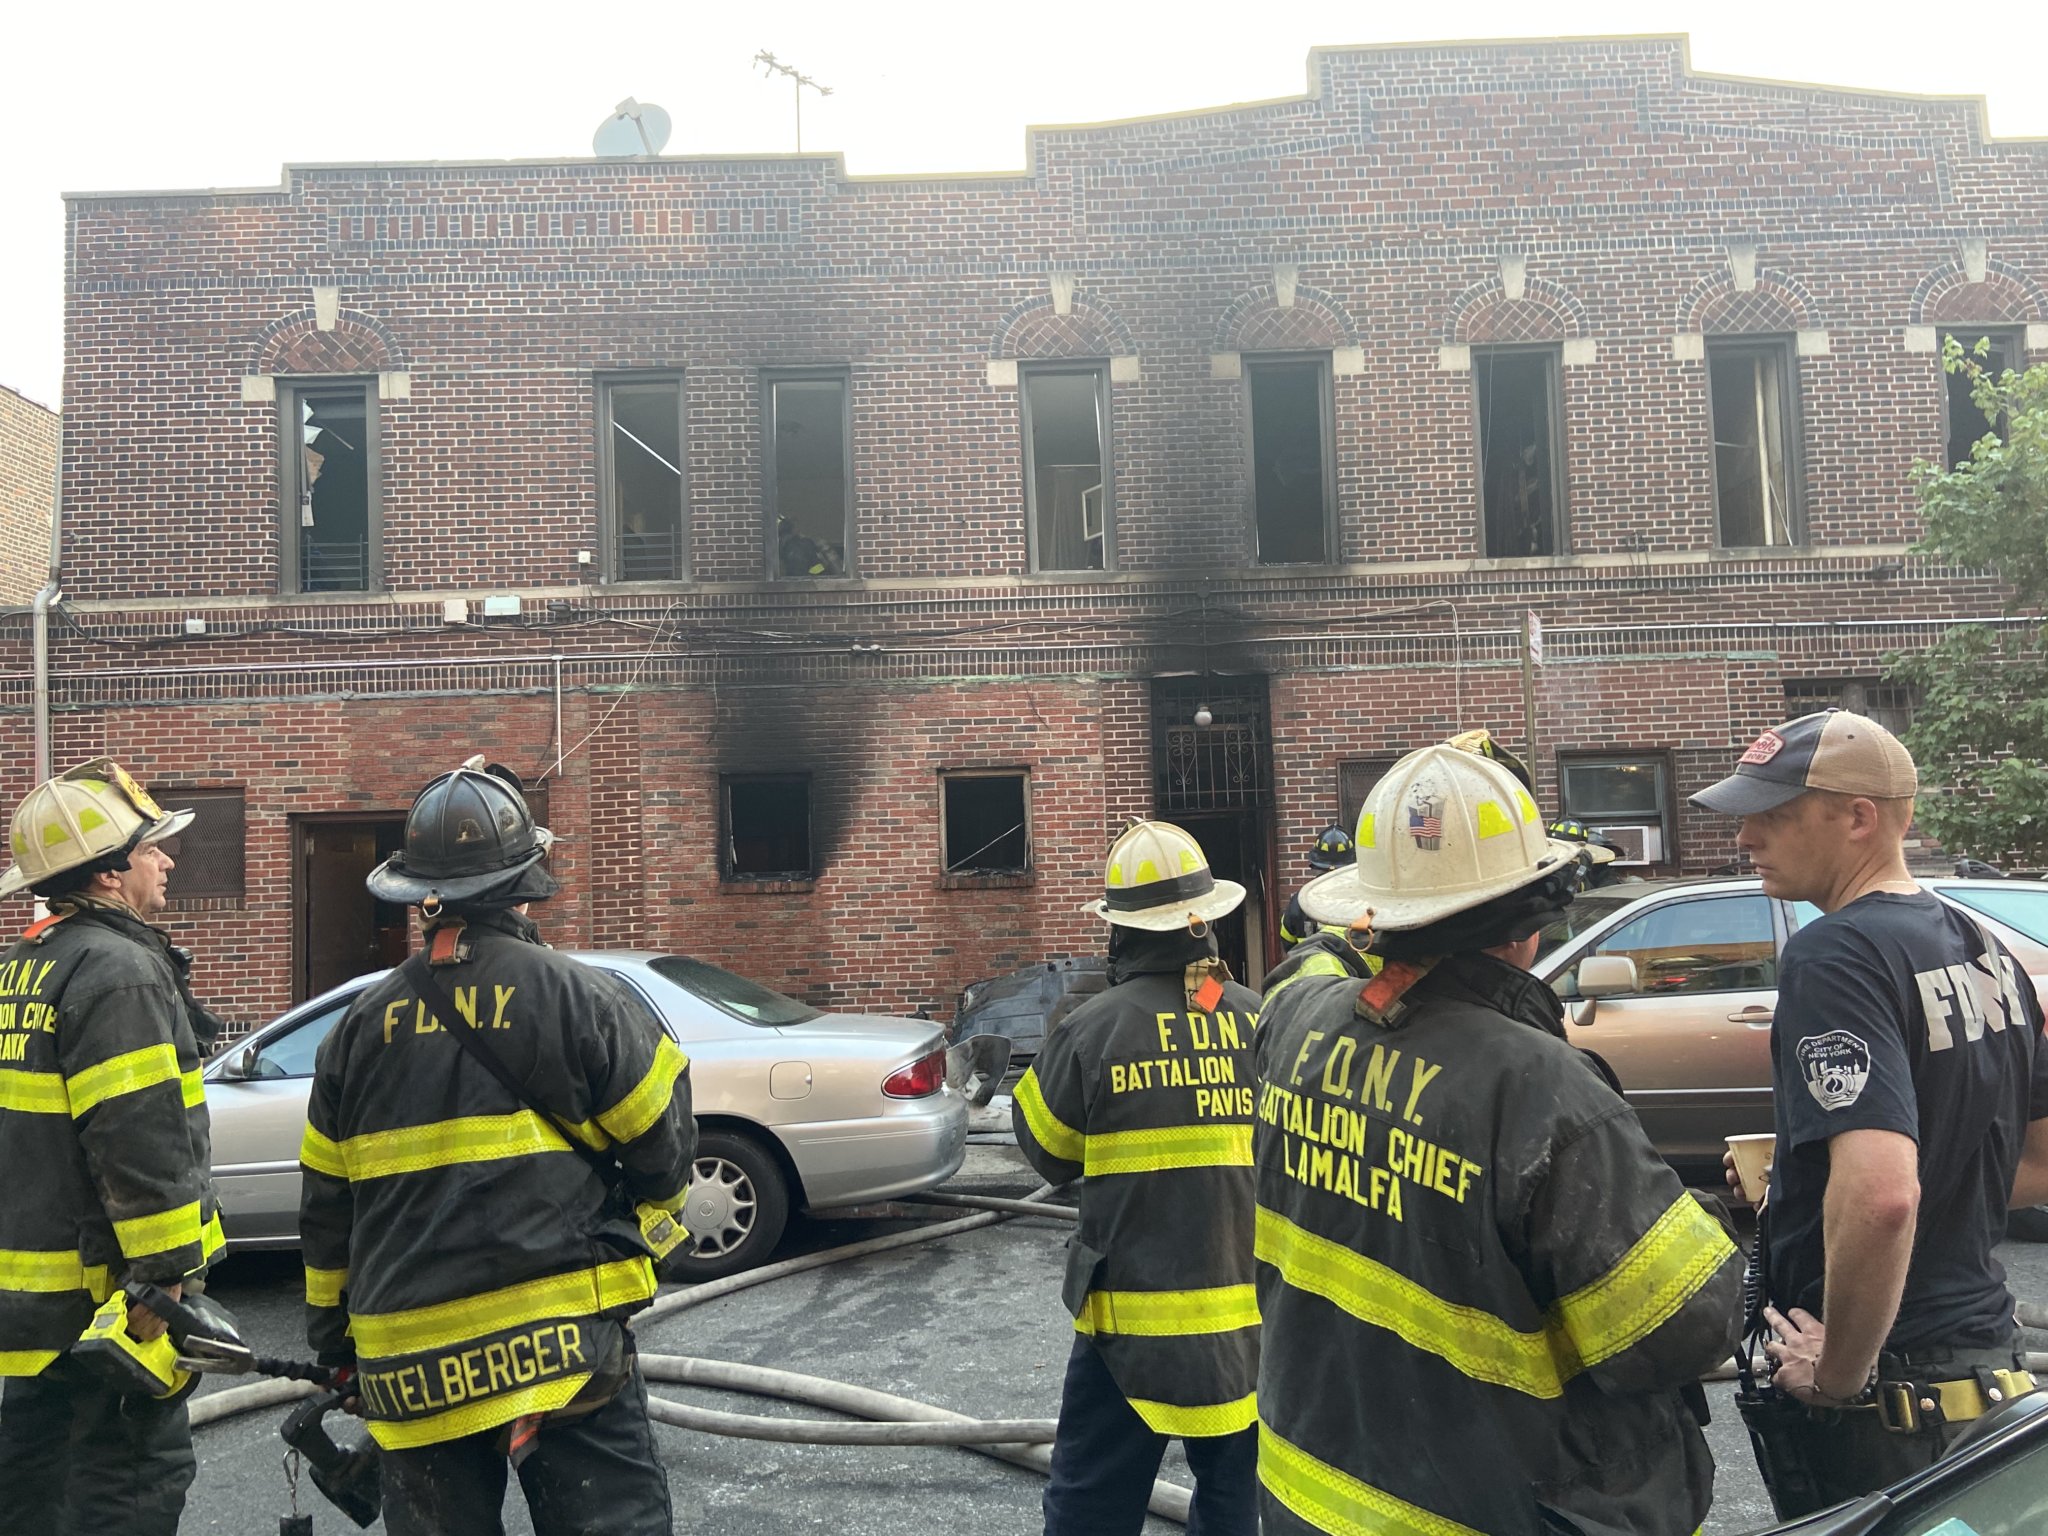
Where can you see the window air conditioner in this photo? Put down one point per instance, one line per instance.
(1638, 845)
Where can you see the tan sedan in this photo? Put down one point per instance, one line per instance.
(1682, 984)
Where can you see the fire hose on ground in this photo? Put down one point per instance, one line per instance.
(890, 1420)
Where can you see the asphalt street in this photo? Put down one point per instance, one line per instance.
(972, 1323)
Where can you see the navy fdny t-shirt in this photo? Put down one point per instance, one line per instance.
(1891, 1018)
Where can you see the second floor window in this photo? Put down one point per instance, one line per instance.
(1521, 457)
(1962, 422)
(643, 480)
(1756, 440)
(1066, 468)
(1291, 470)
(810, 476)
(332, 479)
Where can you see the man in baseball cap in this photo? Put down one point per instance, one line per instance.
(1911, 1094)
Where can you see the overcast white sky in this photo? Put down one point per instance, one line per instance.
(120, 95)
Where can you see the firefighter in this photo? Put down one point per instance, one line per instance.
(103, 1131)
(471, 1242)
(1146, 1089)
(1594, 850)
(1486, 1300)
(1332, 850)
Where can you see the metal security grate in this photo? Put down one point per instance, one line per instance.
(1223, 765)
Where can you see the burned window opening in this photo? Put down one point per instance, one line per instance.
(1749, 393)
(644, 478)
(1891, 705)
(1066, 468)
(1226, 764)
(1519, 452)
(809, 513)
(331, 477)
(1963, 422)
(986, 825)
(768, 828)
(1291, 472)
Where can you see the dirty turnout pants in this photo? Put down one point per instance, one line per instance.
(592, 1476)
(1105, 1458)
(78, 1459)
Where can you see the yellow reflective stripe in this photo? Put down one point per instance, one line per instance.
(1336, 1501)
(321, 1154)
(1311, 965)
(1201, 1421)
(1216, 1309)
(474, 1418)
(445, 1143)
(45, 1270)
(194, 1085)
(34, 1093)
(1173, 1146)
(638, 1110)
(1656, 1277)
(576, 1294)
(161, 1233)
(130, 1072)
(1051, 1132)
(211, 1238)
(1482, 1346)
(26, 1362)
(324, 1286)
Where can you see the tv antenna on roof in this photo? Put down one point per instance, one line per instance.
(634, 128)
(770, 65)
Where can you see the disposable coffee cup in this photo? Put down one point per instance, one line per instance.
(1752, 1163)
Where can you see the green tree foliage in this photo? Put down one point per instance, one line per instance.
(1980, 730)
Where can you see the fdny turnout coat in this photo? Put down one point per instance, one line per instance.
(103, 1127)
(1482, 1290)
(1148, 1092)
(474, 1267)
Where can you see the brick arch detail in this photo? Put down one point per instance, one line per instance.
(1778, 302)
(295, 343)
(1484, 313)
(1255, 322)
(2006, 295)
(1090, 329)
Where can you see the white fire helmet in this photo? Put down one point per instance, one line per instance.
(1445, 831)
(1159, 879)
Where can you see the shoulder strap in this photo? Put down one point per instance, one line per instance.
(420, 973)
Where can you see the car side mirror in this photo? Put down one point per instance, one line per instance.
(1606, 976)
(244, 1064)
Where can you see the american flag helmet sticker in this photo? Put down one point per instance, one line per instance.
(1426, 821)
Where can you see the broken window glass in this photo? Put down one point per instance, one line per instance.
(1290, 462)
(809, 477)
(768, 828)
(332, 521)
(1963, 423)
(644, 477)
(986, 830)
(1519, 452)
(1749, 391)
(1065, 468)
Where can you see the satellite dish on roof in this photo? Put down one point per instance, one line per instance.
(634, 128)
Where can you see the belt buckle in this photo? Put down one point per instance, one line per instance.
(1901, 1406)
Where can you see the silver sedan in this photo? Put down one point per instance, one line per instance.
(796, 1109)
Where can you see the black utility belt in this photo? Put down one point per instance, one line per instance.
(1907, 1407)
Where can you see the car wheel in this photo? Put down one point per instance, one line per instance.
(738, 1206)
(2028, 1224)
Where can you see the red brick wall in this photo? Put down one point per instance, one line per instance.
(501, 293)
(28, 467)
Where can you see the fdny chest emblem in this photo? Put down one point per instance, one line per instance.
(1836, 1065)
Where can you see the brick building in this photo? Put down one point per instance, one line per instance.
(866, 550)
(28, 469)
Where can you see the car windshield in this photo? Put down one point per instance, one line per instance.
(747, 1001)
(2023, 910)
(1588, 911)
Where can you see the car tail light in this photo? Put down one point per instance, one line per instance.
(926, 1075)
